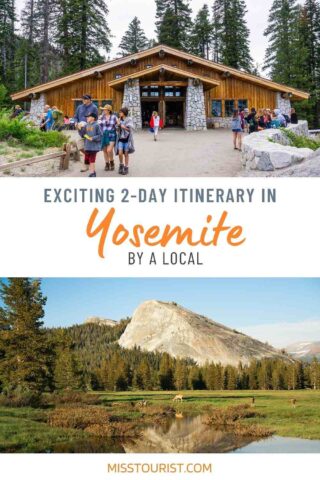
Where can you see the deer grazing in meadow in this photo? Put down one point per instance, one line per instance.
(253, 402)
(293, 402)
(178, 398)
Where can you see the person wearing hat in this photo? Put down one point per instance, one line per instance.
(80, 116)
(17, 111)
(92, 142)
(108, 124)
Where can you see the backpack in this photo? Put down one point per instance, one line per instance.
(287, 118)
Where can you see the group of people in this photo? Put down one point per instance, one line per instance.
(108, 132)
(250, 121)
(52, 119)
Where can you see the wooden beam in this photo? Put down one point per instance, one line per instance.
(156, 83)
(65, 155)
(30, 161)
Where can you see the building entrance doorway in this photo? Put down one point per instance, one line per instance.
(174, 113)
(147, 108)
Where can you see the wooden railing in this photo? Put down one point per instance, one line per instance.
(69, 152)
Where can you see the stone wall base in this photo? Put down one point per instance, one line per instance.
(37, 108)
(283, 104)
(131, 100)
(195, 115)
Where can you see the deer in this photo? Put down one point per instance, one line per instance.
(142, 403)
(293, 402)
(178, 398)
(253, 402)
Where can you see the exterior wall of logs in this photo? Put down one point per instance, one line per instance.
(224, 88)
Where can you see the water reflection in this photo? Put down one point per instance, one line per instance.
(189, 435)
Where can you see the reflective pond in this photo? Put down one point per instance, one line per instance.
(190, 435)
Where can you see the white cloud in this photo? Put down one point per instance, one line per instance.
(283, 334)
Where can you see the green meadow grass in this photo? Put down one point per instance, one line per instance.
(25, 430)
(275, 406)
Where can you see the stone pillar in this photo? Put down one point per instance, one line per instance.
(131, 100)
(195, 114)
(37, 108)
(283, 104)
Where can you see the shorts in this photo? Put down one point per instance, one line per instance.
(107, 138)
(80, 143)
(237, 130)
(123, 145)
(89, 157)
(112, 136)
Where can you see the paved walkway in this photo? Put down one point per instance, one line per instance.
(177, 153)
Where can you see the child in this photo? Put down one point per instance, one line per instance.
(155, 124)
(92, 142)
(124, 144)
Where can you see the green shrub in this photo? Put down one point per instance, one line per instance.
(300, 141)
(21, 397)
(14, 132)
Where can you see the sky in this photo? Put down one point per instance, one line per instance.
(280, 311)
(122, 12)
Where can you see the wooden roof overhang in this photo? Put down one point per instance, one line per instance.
(208, 82)
(163, 50)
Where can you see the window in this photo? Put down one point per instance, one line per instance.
(173, 91)
(150, 91)
(242, 104)
(106, 102)
(97, 103)
(229, 107)
(216, 108)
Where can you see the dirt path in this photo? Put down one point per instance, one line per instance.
(177, 154)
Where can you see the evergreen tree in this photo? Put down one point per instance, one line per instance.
(308, 61)
(7, 42)
(82, 33)
(231, 34)
(26, 356)
(315, 374)
(173, 23)
(67, 375)
(280, 58)
(230, 378)
(134, 40)
(166, 373)
(181, 376)
(201, 35)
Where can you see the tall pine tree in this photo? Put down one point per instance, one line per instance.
(7, 41)
(202, 33)
(282, 32)
(134, 40)
(309, 60)
(173, 23)
(231, 34)
(26, 356)
(82, 33)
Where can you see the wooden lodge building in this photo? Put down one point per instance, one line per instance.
(187, 91)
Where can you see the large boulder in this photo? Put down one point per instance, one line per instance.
(270, 150)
